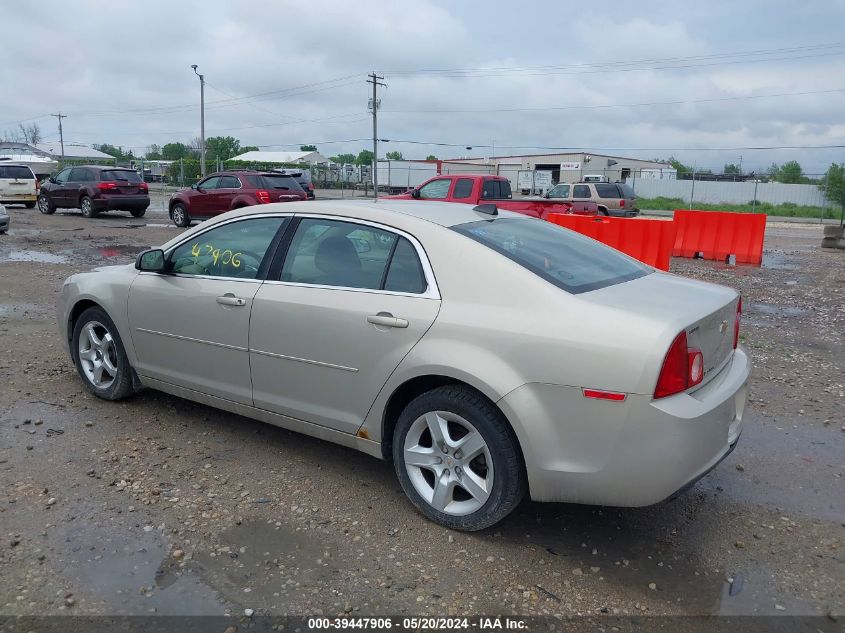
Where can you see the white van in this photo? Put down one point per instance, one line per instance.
(595, 178)
(18, 185)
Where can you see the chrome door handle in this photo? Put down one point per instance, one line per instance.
(231, 300)
(386, 319)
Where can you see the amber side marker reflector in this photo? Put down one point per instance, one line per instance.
(604, 395)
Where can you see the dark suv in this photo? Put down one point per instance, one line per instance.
(227, 190)
(94, 188)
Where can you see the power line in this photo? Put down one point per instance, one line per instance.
(616, 149)
(618, 105)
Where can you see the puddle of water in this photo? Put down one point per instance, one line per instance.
(773, 310)
(779, 261)
(22, 309)
(38, 257)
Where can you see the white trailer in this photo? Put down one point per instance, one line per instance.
(397, 176)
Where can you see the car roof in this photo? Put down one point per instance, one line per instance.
(442, 213)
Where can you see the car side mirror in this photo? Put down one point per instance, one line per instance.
(415, 193)
(151, 261)
(195, 186)
(52, 180)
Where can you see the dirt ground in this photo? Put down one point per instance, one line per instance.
(157, 505)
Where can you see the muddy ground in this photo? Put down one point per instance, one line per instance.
(158, 505)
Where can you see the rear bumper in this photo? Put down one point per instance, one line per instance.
(107, 203)
(18, 198)
(634, 453)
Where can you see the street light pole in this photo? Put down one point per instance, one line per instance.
(202, 120)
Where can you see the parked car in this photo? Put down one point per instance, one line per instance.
(475, 189)
(93, 189)
(4, 220)
(488, 355)
(303, 178)
(227, 190)
(611, 198)
(18, 185)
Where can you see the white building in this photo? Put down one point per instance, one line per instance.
(564, 167)
(283, 158)
(73, 152)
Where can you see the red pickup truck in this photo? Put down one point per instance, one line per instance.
(482, 188)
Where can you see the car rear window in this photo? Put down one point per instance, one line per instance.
(277, 182)
(16, 171)
(570, 261)
(627, 191)
(120, 174)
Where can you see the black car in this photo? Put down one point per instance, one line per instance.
(93, 189)
(303, 181)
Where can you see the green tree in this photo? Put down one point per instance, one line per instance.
(731, 168)
(832, 185)
(222, 147)
(365, 157)
(679, 166)
(307, 148)
(153, 153)
(791, 173)
(431, 157)
(343, 159)
(249, 148)
(175, 151)
(394, 156)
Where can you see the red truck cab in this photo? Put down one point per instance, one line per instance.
(482, 188)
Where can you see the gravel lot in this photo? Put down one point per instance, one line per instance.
(158, 505)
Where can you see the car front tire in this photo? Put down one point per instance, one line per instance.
(100, 357)
(86, 205)
(179, 215)
(458, 459)
(45, 205)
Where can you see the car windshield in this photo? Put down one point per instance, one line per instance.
(120, 174)
(568, 260)
(278, 182)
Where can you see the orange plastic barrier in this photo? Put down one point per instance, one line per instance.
(720, 234)
(649, 241)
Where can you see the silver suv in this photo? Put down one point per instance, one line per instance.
(18, 185)
(612, 198)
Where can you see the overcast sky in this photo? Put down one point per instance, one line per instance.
(532, 75)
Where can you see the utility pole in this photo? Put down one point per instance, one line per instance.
(374, 105)
(202, 120)
(61, 116)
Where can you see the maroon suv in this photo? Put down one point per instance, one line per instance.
(227, 190)
(94, 188)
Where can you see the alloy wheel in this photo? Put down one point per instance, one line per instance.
(98, 355)
(449, 463)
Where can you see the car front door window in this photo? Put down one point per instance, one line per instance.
(209, 184)
(436, 189)
(62, 176)
(233, 250)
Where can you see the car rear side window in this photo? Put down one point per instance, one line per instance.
(120, 174)
(570, 261)
(16, 171)
(607, 190)
(463, 188)
(581, 191)
(405, 273)
(236, 249)
(496, 190)
(627, 191)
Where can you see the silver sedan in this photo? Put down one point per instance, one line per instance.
(488, 355)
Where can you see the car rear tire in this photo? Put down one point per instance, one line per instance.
(86, 205)
(45, 205)
(138, 213)
(29, 205)
(458, 459)
(179, 215)
(100, 357)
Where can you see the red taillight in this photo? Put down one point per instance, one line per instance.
(622, 204)
(106, 186)
(263, 196)
(736, 322)
(143, 186)
(682, 368)
(37, 186)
